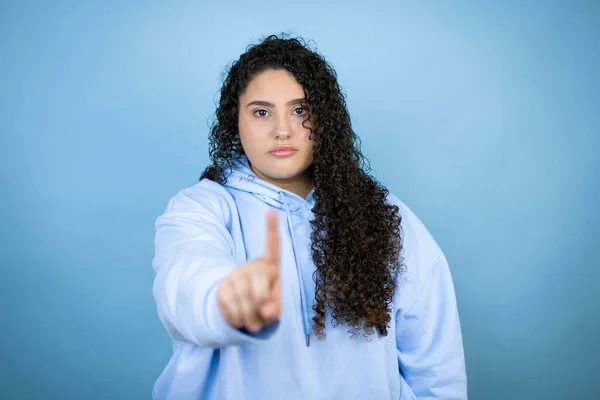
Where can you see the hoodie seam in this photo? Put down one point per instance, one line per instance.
(422, 290)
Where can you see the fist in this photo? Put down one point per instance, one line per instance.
(250, 297)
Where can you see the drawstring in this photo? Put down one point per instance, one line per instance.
(305, 316)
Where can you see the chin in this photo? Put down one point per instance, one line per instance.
(280, 169)
(283, 175)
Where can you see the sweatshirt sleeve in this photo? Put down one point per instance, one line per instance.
(194, 252)
(429, 340)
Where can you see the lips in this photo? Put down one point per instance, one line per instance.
(283, 151)
(283, 147)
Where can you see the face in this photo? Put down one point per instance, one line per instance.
(270, 118)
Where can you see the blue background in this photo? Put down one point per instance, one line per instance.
(483, 116)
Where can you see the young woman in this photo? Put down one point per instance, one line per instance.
(288, 272)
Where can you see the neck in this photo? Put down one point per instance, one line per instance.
(300, 184)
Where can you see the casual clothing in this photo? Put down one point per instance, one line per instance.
(209, 229)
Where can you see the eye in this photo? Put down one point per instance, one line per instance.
(299, 111)
(261, 113)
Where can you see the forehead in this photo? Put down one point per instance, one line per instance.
(274, 85)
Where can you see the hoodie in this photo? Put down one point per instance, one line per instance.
(210, 229)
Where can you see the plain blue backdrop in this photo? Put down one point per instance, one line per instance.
(483, 116)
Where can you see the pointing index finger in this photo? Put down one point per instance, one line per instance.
(271, 254)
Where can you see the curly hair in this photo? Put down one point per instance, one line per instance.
(355, 237)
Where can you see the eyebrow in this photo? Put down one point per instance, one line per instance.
(268, 104)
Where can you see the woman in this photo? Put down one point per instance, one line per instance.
(288, 272)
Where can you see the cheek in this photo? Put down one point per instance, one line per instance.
(306, 133)
(303, 129)
(252, 135)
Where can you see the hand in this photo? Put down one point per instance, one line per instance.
(250, 297)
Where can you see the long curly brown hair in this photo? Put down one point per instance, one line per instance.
(355, 234)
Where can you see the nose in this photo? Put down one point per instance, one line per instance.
(282, 135)
(283, 129)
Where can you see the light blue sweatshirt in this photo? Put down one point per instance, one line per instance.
(209, 229)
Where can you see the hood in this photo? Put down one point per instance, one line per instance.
(241, 177)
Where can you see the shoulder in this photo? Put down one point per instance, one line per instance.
(420, 251)
(205, 196)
